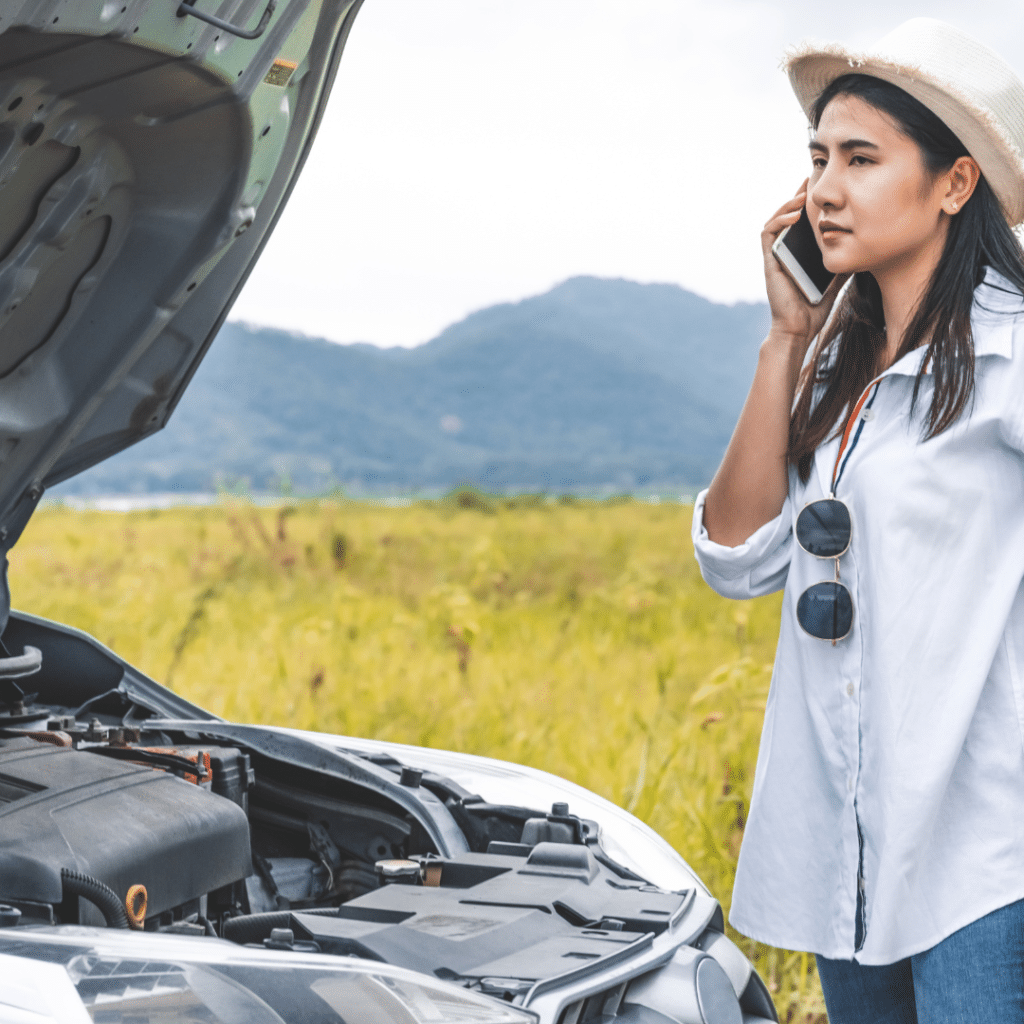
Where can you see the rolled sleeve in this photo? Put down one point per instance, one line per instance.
(757, 566)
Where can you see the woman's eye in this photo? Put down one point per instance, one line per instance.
(860, 161)
(818, 162)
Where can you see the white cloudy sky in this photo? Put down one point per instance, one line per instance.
(478, 151)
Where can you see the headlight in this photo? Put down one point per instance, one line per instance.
(139, 979)
(624, 838)
(691, 988)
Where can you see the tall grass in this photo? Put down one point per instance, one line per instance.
(576, 637)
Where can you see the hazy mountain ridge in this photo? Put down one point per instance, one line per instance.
(595, 383)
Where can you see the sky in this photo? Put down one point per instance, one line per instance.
(481, 151)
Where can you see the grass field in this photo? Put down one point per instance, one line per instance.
(577, 637)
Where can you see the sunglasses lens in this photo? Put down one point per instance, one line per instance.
(823, 528)
(825, 611)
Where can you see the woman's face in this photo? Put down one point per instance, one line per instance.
(872, 202)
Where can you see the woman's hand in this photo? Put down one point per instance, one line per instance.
(751, 484)
(793, 318)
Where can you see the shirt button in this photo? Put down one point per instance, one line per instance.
(849, 689)
(868, 414)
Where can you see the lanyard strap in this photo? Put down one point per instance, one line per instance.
(857, 409)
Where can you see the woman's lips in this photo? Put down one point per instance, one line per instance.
(827, 227)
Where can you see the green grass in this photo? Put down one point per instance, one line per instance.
(574, 636)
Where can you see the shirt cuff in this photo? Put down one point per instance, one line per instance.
(757, 566)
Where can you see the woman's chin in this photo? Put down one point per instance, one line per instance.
(837, 264)
(841, 255)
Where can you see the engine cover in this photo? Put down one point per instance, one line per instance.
(120, 823)
(492, 916)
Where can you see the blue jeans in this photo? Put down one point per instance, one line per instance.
(974, 976)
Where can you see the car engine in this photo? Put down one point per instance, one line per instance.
(67, 814)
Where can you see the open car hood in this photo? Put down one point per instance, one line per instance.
(145, 155)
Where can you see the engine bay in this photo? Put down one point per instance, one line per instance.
(227, 841)
(113, 813)
(124, 806)
(207, 835)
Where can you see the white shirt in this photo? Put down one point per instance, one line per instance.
(913, 726)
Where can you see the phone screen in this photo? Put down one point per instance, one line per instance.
(800, 241)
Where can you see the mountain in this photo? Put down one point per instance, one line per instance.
(596, 383)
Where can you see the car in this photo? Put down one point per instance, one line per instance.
(157, 863)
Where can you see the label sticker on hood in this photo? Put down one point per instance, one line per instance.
(447, 926)
(280, 72)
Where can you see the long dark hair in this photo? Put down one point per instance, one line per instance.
(846, 356)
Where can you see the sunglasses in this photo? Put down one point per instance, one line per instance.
(824, 529)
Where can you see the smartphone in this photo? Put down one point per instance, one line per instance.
(797, 250)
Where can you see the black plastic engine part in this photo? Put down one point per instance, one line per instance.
(540, 830)
(257, 927)
(254, 927)
(120, 823)
(232, 774)
(553, 912)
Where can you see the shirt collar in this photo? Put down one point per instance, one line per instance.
(997, 302)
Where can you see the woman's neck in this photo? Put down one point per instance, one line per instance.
(903, 286)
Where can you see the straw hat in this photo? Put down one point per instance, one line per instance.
(968, 86)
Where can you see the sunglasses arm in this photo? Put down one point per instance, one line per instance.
(837, 581)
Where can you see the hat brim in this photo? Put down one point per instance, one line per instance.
(812, 69)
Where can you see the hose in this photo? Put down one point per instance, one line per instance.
(96, 892)
(257, 927)
(254, 927)
(17, 665)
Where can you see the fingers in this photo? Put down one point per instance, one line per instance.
(788, 213)
(774, 228)
(780, 221)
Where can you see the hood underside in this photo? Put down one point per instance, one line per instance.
(145, 154)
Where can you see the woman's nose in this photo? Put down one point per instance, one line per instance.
(826, 192)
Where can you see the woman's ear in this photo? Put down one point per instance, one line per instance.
(961, 180)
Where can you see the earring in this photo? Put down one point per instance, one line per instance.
(956, 206)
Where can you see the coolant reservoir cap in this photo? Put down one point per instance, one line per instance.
(397, 869)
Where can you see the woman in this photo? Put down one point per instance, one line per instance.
(886, 827)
